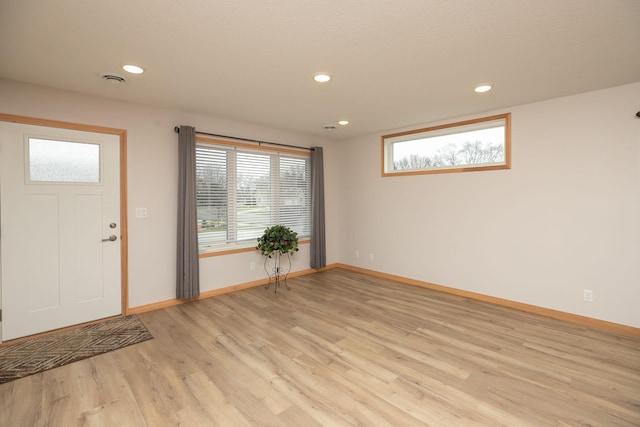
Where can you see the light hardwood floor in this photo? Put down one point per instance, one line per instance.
(340, 349)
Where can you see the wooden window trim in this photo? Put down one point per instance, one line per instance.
(507, 148)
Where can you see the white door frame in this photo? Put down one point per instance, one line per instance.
(122, 133)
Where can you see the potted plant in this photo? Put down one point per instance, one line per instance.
(278, 238)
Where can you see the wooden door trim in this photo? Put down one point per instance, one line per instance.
(122, 133)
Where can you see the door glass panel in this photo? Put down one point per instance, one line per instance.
(63, 161)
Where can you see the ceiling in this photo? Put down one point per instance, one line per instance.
(394, 63)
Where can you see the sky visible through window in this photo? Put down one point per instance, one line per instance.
(429, 147)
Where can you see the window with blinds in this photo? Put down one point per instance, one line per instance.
(242, 191)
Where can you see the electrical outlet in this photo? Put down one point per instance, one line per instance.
(252, 266)
(357, 254)
(370, 257)
(588, 295)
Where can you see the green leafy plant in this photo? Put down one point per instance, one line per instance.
(278, 238)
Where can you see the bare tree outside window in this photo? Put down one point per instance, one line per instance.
(471, 153)
(481, 144)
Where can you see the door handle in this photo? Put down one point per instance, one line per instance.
(111, 238)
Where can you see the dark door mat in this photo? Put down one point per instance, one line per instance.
(58, 349)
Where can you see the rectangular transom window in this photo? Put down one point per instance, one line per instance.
(240, 191)
(473, 145)
(62, 161)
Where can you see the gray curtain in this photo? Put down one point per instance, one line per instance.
(188, 271)
(318, 244)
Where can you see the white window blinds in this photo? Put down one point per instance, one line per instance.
(240, 192)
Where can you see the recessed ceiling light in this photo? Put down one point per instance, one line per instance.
(483, 88)
(343, 122)
(133, 69)
(322, 77)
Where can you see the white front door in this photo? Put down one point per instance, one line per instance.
(60, 228)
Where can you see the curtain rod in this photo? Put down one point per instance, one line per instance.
(177, 129)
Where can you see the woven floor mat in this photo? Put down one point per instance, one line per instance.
(58, 349)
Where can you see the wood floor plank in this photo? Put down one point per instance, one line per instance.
(342, 349)
(213, 400)
(21, 402)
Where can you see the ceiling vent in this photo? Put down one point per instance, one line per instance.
(329, 127)
(112, 78)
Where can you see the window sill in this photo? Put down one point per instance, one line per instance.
(237, 249)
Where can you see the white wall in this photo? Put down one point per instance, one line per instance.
(152, 182)
(565, 218)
